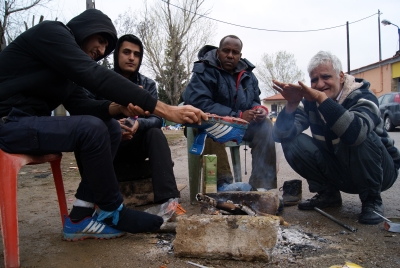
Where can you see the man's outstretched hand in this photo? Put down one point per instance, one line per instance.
(294, 93)
(185, 114)
(311, 94)
(134, 110)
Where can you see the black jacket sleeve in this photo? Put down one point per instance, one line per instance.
(55, 45)
(80, 103)
(152, 121)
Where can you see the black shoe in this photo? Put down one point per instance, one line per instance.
(323, 199)
(291, 192)
(367, 215)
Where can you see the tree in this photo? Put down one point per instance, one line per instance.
(171, 67)
(11, 22)
(172, 35)
(106, 62)
(280, 66)
(126, 23)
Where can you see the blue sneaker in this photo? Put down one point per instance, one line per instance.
(219, 128)
(89, 228)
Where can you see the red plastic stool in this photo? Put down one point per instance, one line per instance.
(10, 164)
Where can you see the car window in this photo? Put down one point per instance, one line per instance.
(386, 99)
(380, 99)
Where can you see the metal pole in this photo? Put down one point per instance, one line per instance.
(90, 4)
(335, 220)
(348, 48)
(398, 30)
(379, 34)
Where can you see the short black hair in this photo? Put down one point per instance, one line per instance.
(131, 39)
(230, 36)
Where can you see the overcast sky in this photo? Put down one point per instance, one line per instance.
(284, 15)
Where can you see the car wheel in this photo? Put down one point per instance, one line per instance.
(388, 124)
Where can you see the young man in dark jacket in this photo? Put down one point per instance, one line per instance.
(223, 83)
(145, 139)
(349, 150)
(56, 58)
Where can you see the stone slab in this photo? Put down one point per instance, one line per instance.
(237, 237)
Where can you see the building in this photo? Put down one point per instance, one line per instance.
(384, 75)
(274, 103)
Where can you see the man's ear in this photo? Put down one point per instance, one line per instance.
(341, 76)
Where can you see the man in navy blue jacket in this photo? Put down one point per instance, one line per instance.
(223, 83)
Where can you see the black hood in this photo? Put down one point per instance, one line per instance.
(135, 40)
(208, 54)
(93, 21)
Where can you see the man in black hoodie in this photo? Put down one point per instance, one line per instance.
(56, 58)
(145, 139)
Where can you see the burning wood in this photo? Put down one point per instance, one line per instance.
(211, 206)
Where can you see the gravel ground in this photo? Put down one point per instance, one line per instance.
(311, 240)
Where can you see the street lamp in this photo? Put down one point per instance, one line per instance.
(386, 22)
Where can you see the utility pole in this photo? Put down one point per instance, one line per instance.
(90, 4)
(348, 48)
(379, 34)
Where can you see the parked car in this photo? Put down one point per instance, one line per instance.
(389, 105)
(272, 116)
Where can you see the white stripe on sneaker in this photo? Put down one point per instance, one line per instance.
(213, 127)
(215, 131)
(226, 131)
(94, 227)
(88, 226)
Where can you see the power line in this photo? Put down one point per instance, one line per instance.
(267, 30)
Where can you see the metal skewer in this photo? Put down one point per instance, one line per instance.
(197, 265)
(335, 220)
(386, 219)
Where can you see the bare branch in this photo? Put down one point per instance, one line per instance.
(9, 12)
(280, 66)
(171, 38)
(11, 21)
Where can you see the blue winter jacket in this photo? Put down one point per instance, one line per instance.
(216, 91)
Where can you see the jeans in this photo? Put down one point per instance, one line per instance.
(96, 141)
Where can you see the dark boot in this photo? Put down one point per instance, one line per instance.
(370, 205)
(323, 199)
(291, 192)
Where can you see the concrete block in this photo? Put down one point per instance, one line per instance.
(237, 237)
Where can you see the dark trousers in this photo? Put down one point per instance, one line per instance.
(151, 144)
(263, 172)
(366, 169)
(96, 142)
